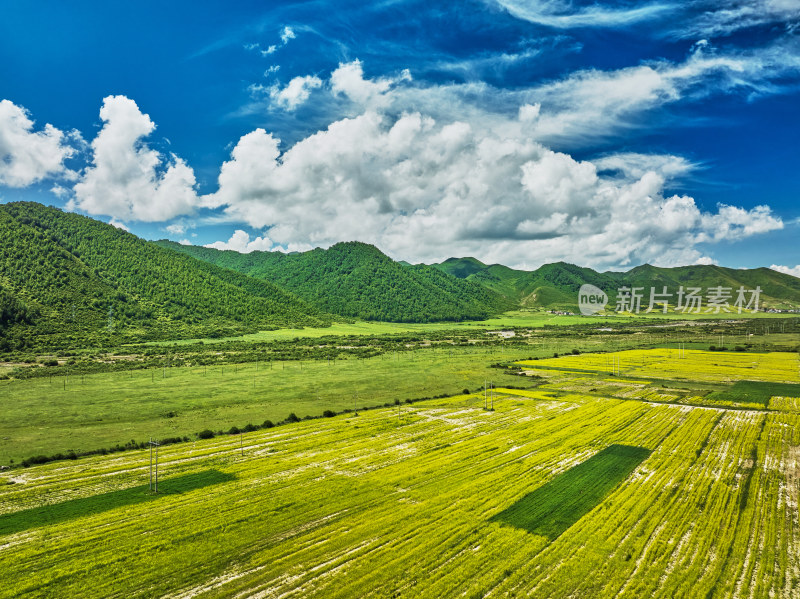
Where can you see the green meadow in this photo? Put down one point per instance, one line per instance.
(609, 471)
(552, 495)
(48, 415)
(519, 318)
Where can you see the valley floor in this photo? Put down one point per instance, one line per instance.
(584, 486)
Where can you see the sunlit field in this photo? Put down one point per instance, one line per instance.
(519, 318)
(572, 486)
(685, 364)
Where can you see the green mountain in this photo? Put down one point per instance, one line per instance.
(66, 277)
(556, 286)
(69, 281)
(552, 285)
(357, 280)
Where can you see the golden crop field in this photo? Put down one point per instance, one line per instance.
(694, 365)
(564, 490)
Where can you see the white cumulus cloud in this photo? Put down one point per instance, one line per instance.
(240, 242)
(424, 186)
(731, 223)
(296, 91)
(787, 270)
(287, 34)
(28, 156)
(126, 178)
(635, 165)
(119, 225)
(348, 80)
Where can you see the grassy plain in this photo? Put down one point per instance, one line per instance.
(359, 327)
(690, 365)
(674, 474)
(45, 416)
(518, 318)
(52, 414)
(703, 502)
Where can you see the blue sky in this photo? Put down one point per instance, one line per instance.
(515, 131)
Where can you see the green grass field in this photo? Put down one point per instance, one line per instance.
(755, 392)
(681, 501)
(585, 484)
(46, 416)
(520, 318)
(558, 504)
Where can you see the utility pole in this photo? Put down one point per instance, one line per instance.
(156, 444)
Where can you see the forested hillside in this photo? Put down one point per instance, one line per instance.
(65, 277)
(556, 285)
(358, 280)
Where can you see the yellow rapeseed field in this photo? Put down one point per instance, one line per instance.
(694, 365)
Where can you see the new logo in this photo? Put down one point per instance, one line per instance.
(591, 300)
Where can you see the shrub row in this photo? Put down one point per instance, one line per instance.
(74, 455)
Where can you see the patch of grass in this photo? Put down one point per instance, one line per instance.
(555, 506)
(94, 504)
(508, 319)
(754, 392)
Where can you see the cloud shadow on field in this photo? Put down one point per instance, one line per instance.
(86, 506)
(555, 506)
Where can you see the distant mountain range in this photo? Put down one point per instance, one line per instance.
(66, 278)
(557, 285)
(357, 280)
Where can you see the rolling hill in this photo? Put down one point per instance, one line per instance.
(355, 279)
(556, 285)
(66, 277)
(67, 280)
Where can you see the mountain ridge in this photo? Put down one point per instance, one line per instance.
(75, 277)
(357, 280)
(67, 279)
(557, 284)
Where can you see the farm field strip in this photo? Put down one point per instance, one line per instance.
(425, 482)
(784, 404)
(404, 501)
(102, 410)
(308, 509)
(765, 389)
(696, 365)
